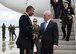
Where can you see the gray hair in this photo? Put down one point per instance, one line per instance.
(48, 12)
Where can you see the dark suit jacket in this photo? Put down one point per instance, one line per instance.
(52, 2)
(65, 13)
(50, 36)
(69, 1)
(57, 3)
(25, 33)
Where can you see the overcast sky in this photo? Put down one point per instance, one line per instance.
(9, 16)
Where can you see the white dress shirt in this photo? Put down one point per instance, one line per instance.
(47, 23)
(55, 0)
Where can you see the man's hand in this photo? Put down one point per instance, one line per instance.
(55, 46)
(60, 20)
(70, 17)
(33, 36)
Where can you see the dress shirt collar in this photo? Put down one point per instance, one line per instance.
(48, 20)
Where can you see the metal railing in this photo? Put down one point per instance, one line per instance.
(75, 20)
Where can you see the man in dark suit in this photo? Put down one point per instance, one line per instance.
(56, 2)
(3, 31)
(57, 5)
(67, 15)
(49, 34)
(24, 41)
(69, 1)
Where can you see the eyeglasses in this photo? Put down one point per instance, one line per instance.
(34, 21)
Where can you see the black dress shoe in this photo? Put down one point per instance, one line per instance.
(67, 39)
(63, 38)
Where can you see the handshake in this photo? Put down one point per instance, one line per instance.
(60, 21)
(35, 36)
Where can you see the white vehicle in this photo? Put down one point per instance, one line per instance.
(20, 5)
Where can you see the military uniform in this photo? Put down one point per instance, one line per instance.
(67, 19)
(36, 39)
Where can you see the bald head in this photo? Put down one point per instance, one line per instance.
(47, 15)
(47, 12)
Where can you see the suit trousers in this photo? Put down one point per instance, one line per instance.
(69, 27)
(29, 51)
(46, 51)
(38, 45)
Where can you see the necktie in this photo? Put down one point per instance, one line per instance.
(55, 1)
(45, 26)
